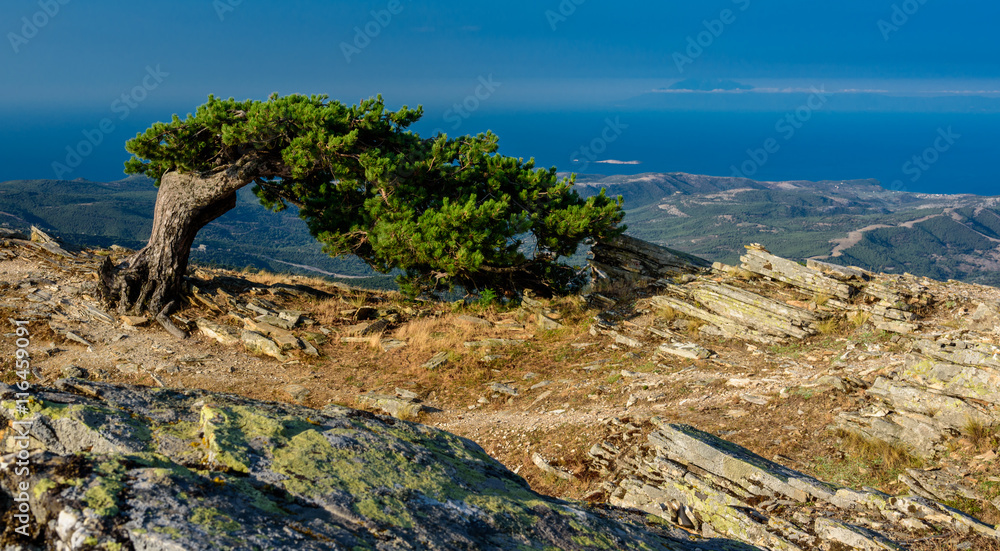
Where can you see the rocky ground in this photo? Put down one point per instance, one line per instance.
(674, 388)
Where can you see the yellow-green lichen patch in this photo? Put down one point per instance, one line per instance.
(257, 498)
(226, 430)
(168, 530)
(520, 512)
(43, 486)
(43, 408)
(102, 496)
(315, 467)
(213, 521)
(184, 430)
(454, 453)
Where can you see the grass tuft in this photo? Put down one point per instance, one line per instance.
(981, 435)
(887, 456)
(858, 319)
(828, 326)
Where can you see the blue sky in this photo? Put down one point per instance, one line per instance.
(544, 52)
(545, 74)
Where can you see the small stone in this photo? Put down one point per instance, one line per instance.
(627, 341)
(689, 351)
(291, 316)
(276, 321)
(224, 334)
(982, 311)
(74, 372)
(914, 524)
(77, 338)
(754, 399)
(309, 349)
(504, 389)
(357, 329)
(319, 338)
(128, 368)
(287, 342)
(407, 394)
(375, 328)
(396, 407)
(388, 345)
(259, 344)
(298, 392)
(135, 321)
(493, 342)
(544, 465)
(473, 320)
(437, 360)
(509, 325)
(38, 236)
(490, 358)
(12, 234)
(548, 324)
(364, 313)
(832, 381)
(268, 329)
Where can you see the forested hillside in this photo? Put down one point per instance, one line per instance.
(846, 222)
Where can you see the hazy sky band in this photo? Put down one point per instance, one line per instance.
(89, 53)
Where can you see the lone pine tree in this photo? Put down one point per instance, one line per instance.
(442, 210)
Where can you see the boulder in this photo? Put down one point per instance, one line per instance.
(626, 258)
(120, 467)
(758, 260)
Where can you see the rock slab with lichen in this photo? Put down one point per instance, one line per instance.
(121, 467)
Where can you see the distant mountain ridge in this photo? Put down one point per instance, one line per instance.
(707, 85)
(782, 100)
(643, 188)
(849, 222)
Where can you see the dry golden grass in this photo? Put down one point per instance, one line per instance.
(886, 456)
(375, 341)
(667, 313)
(820, 299)
(438, 333)
(695, 325)
(858, 319)
(981, 436)
(271, 278)
(572, 309)
(829, 326)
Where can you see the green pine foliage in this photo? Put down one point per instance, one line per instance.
(445, 211)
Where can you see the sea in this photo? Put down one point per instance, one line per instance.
(917, 152)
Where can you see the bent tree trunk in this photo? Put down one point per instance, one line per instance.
(152, 278)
